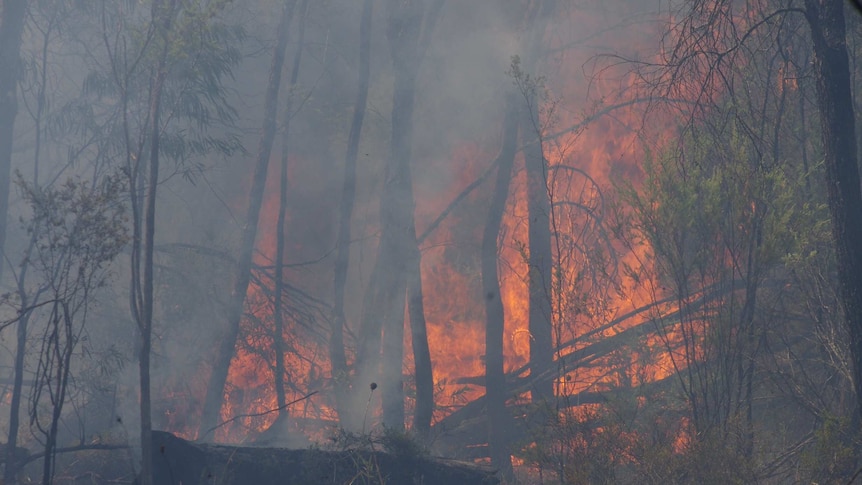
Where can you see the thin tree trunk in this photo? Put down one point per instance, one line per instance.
(495, 378)
(838, 129)
(368, 350)
(146, 323)
(27, 303)
(392, 375)
(347, 414)
(277, 314)
(424, 376)
(540, 259)
(162, 15)
(11, 468)
(242, 275)
(423, 369)
(11, 28)
(58, 397)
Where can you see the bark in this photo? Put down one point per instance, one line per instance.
(337, 357)
(242, 275)
(540, 259)
(379, 293)
(424, 372)
(384, 306)
(12, 18)
(277, 313)
(11, 468)
(423, 368)
(837, 120)
(424, 377)
(162, 14)
(404, 25)
(495, 378)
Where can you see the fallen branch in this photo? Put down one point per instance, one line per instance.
(254, 415)
(72, 449)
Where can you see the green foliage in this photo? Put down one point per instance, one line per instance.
(77, 230)
(198, 52)
(713, 217)
(832, 456)
(707, 201)
(708, 460)
(718, 221)
(579, 445)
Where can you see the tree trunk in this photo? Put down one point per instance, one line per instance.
(277, 313)
(242, 275)
(12, 18)
(379, 293)
(403, 30)
(63, 355)
(424, 377)
(162, 14)
(540, 259)
(11, 468)
(495, 378)
(337, 357)
(389, 280)
(837, 120)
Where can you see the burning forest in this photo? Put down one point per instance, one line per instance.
(560, 242)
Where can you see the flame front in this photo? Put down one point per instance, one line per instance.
(598, 283)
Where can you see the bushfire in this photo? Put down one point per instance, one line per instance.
(616, 325)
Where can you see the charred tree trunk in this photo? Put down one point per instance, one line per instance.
(495, 378)
(12, 17)
(218, 378)
(837, 119)
(337, 357)
(277, 312)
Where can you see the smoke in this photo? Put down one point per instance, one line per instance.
(459, 108)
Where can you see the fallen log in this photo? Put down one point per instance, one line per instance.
(177, 461)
